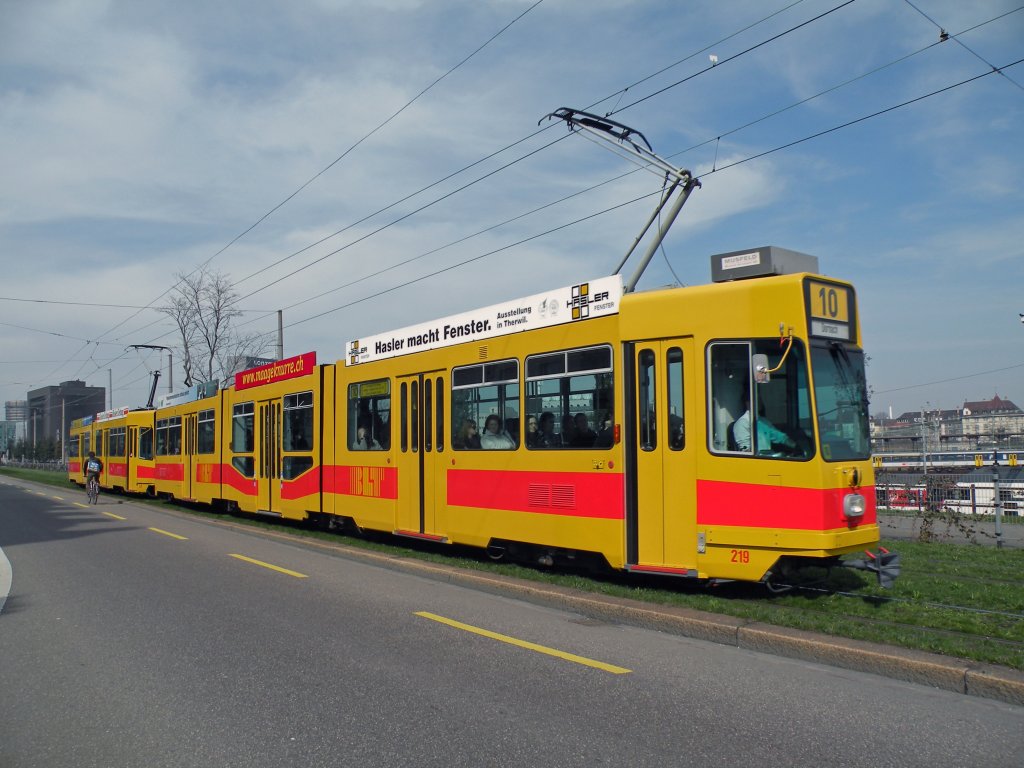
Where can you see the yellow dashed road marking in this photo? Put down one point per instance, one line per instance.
(525, 644)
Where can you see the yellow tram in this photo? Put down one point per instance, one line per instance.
(708, 432)
(123, 439)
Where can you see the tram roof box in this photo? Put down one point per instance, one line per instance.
(760, 262)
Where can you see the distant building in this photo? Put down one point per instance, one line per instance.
(16, 410)
(996, 418)
(10, 433)
(70, 400)
(980, 424)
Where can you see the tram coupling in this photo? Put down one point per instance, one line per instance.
(884, 564)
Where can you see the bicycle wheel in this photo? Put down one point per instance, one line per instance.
(93, 491)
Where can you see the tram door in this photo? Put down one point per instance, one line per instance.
(188, 457)
(420, 445)
(268, 455)
(661, 506)
(131, 458)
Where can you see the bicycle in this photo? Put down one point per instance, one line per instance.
(92, 490)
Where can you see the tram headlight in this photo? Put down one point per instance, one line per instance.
(854, 505)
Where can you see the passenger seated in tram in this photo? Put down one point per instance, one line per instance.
(583, 436)
(546, 437)
(568, 430)
(533, 435)
(364, 441)
(494, 436)
(467, 438)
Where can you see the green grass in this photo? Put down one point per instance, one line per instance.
(961, 600)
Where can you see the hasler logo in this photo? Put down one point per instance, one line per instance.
(582, 299)
(355, 349)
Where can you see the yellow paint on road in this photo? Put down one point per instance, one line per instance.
(168, 533)
(116, 517)
(525, 644)
(277, 568)
(79, 504)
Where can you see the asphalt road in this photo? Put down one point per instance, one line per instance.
(146, 640)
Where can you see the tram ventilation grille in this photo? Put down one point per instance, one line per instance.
(483, 352)
(556, 496)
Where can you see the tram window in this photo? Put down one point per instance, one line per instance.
(414, 419)
(73, 442)
(168, 436)
(298, 422)
(206, 439)
(293, 466)
(428, 415)
(545, 365)
(571, 394)
(369, 415)
(485, 406)
(404, 419)
(85, 444)
(841, 398)
(646, 426)
(771, 419)
(161, 437)
(146, 443)
(439, 399)
(101, 441)
(244, 464)
(242, 425)
(676, 432)
(174, 436)
(115, 441)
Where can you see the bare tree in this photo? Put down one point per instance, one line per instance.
(180, 309)
(202, 305)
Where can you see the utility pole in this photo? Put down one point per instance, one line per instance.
(280, 334)
(924, 440)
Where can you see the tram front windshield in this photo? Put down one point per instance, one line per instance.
(841, 402)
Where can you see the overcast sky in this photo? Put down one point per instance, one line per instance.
(139, 139)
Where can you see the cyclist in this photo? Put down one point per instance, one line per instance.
(93, 467)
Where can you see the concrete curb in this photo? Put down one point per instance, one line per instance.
(944, 672)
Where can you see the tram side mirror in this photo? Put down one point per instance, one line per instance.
(761, 374)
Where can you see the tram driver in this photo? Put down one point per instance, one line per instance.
(768, 434)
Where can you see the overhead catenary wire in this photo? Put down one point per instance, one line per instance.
(492, 227)
(507, 147)
(718, 170)
(869, 116)
(943, 36)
